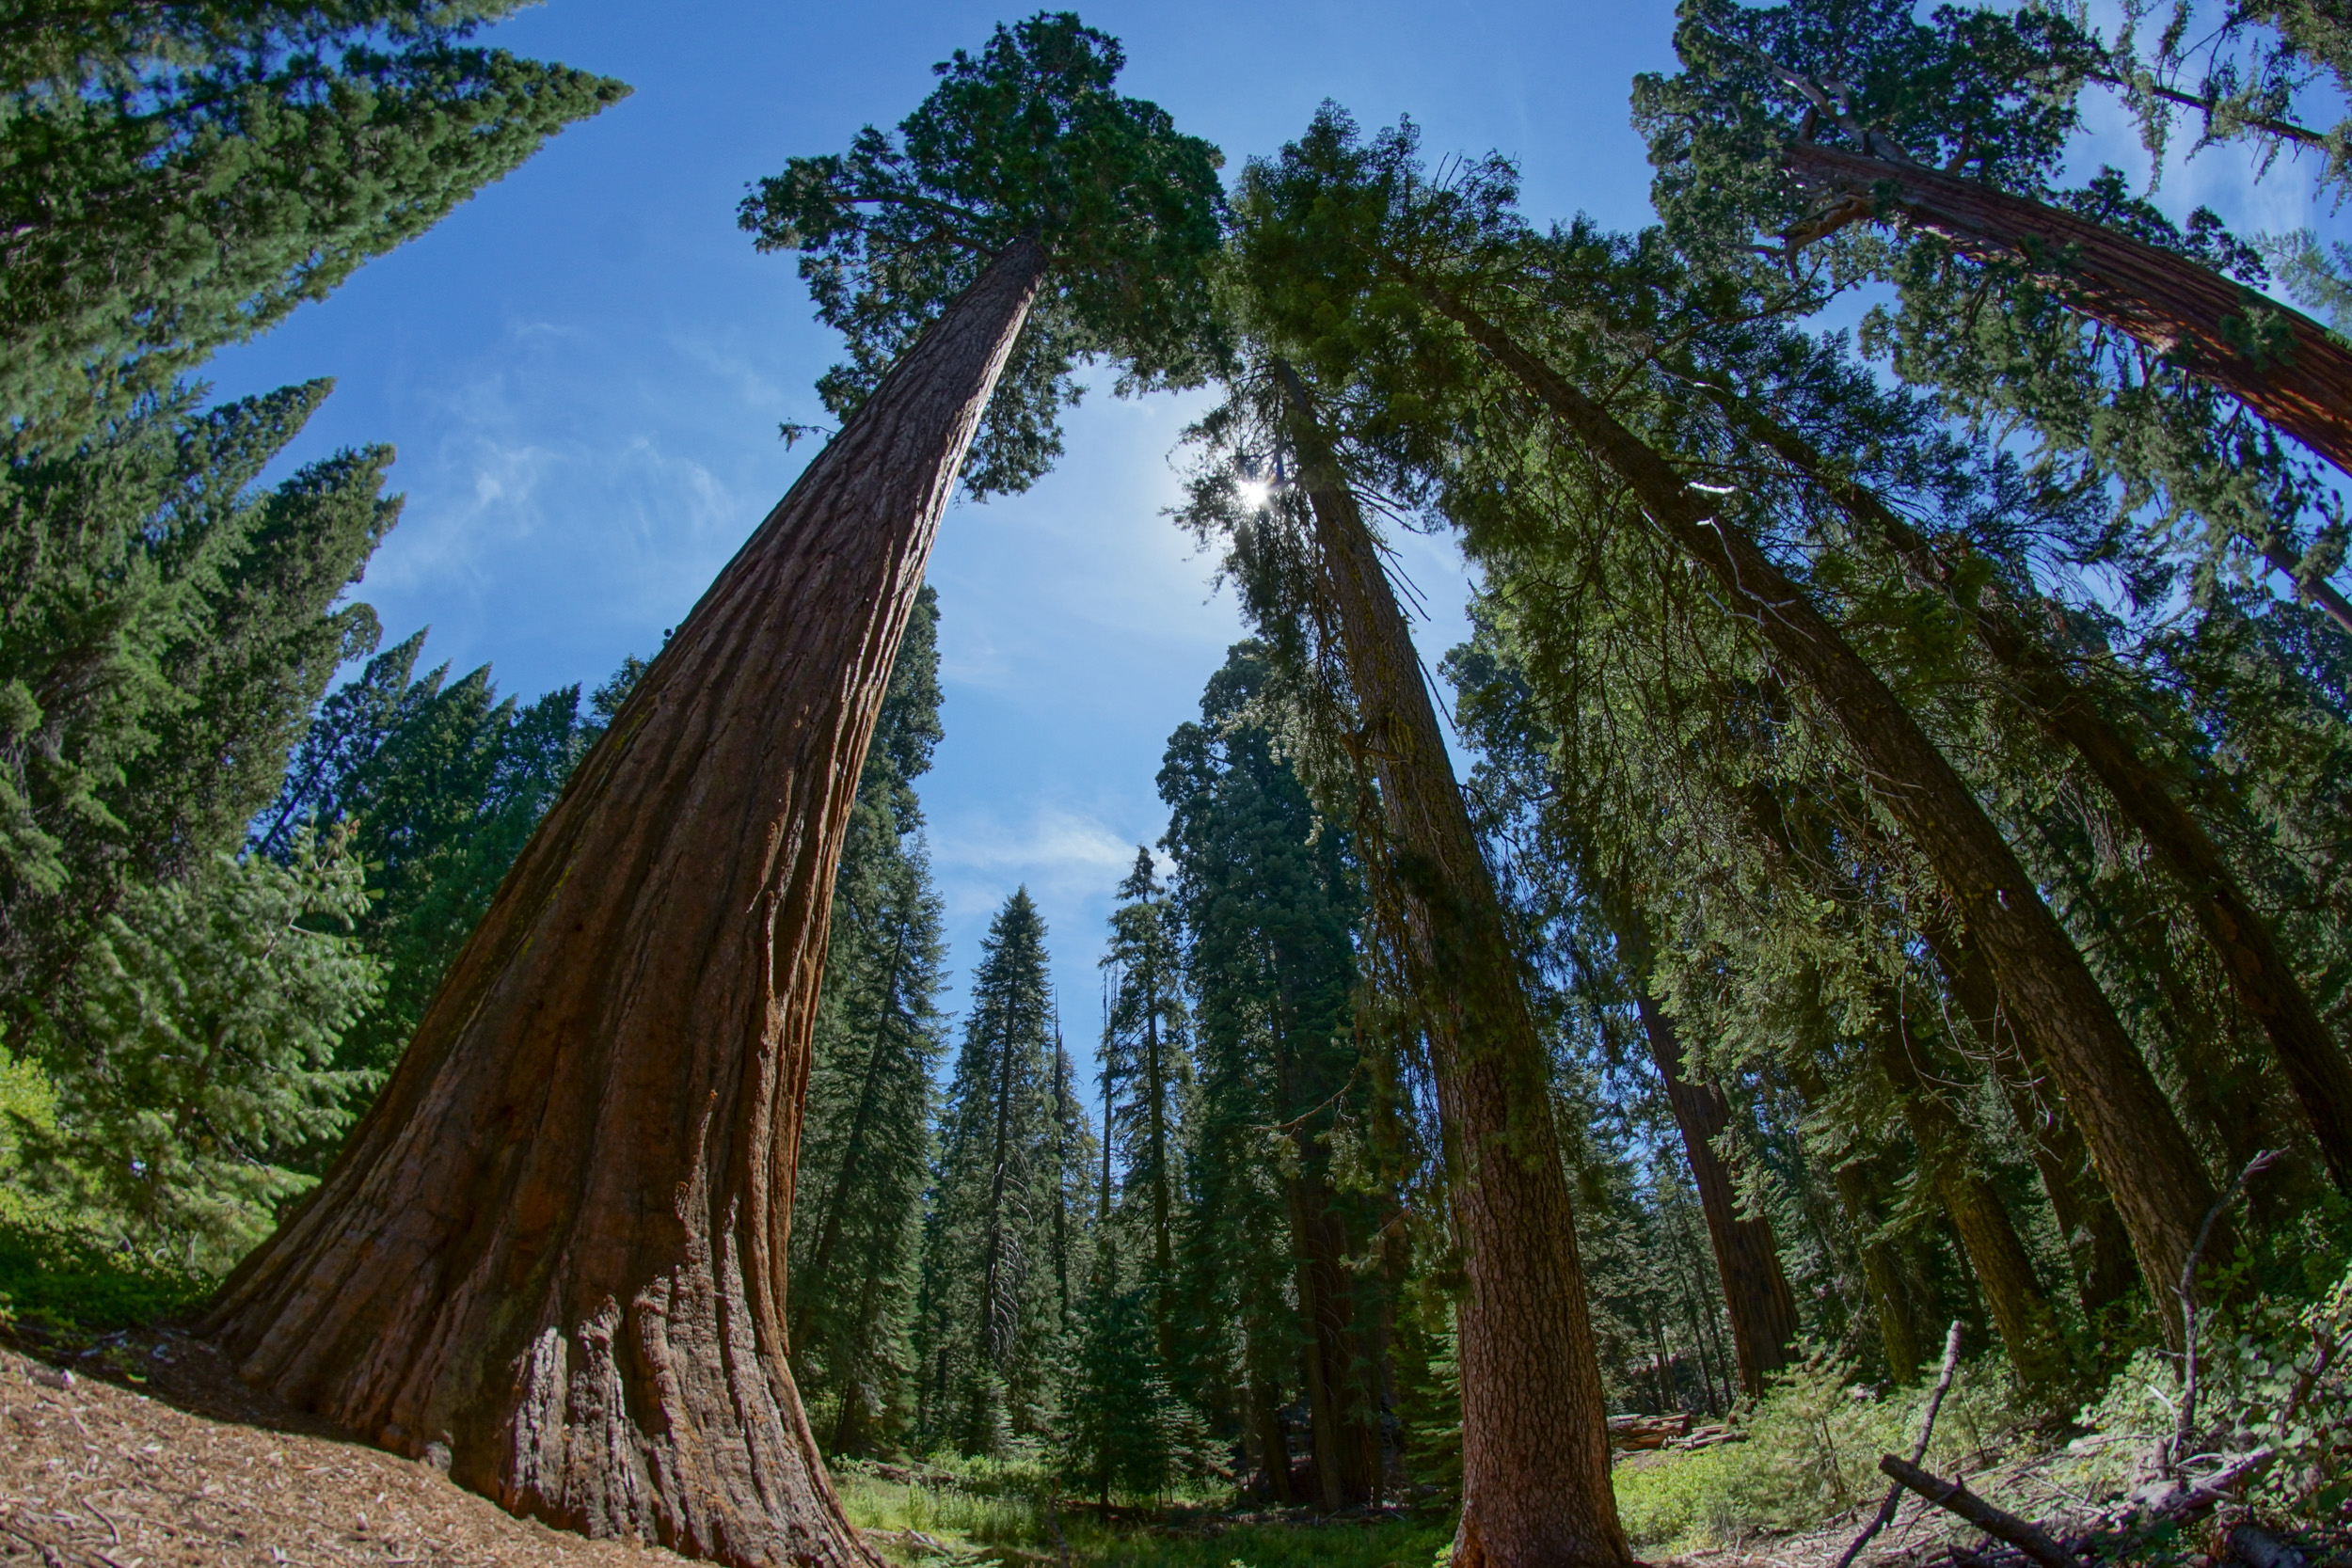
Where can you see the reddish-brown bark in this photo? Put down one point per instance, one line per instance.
(1536, 1486)
(2276, 360)
(553, 1253)
(2142, 1153)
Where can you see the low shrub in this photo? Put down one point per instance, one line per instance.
(1812, 1451)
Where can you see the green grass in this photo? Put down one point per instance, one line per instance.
(64, 1283)
(970, 1524)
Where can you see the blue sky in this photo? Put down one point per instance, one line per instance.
(584, 370)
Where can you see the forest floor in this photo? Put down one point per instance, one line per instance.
(193, 1469)
(150, 1453)
(147, 1452)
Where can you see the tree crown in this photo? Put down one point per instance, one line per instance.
(1024, 138)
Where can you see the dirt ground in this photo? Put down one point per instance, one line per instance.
(192, 1468)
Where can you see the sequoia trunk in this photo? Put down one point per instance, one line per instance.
(553, 1253)
(1536, 1486)
(2276, 360)
(2143, 1155)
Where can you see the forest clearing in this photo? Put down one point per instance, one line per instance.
(1812, 1034)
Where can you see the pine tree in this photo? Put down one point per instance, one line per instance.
(990, 1304)
(1269, 907)
(201, 1061)
(167, 633)
(1147, 1078)
(174, 179)
(1125, 1430)
(865, 1150)
(439, 785)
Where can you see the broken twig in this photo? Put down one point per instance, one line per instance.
(1885, 1515)
(2185, 1419)
(1953, 1498)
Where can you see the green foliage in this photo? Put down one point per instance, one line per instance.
(990, 1311)
(1123, 1430)
(1147, 1079)
(174, 179)
(439, 785)
(204, 1056)
(64, 1283)
(2278, 1376)
(1811, 1452)
(1025, 138)
(168, 630)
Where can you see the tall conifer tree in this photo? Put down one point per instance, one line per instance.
(1147, 1079)
(990, 1296)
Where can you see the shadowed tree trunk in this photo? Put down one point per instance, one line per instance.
(1762, 1308)
(2276, 360)
(553, 1253)
(1988, 1236)
(1884, 1276)
(1536, 1487)
(2265, 984)
(2094, 1236)
(2142, 1154)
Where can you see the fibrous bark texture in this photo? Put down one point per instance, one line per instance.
(2141, 1151)
(2279, 362)
(552, 1255)
(1536, 1487)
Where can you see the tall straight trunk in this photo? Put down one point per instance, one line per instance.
(2278, 361)
(555, 1247)
(1763, 1310)
(1747, 1256)
(1061, 1180)
(2265, 982)
(1345, 1449)
(1266, 1408)
(1536, 1486)
(1988, 1236)
(2142, 1154)
(2104, 1269)
(1163, 1231)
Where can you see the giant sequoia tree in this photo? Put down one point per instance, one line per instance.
(553, 1253)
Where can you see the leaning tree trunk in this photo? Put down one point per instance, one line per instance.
(1885, 1277)
(2003, 1268)
(2142, 1153)
(2265, 984)
(1536, 1486)
(1763, 1309)
(552, 1255)
(2276, 360)
(2104, 1269)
